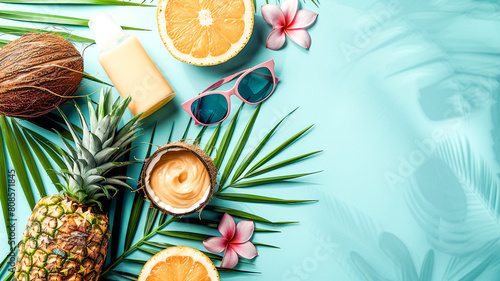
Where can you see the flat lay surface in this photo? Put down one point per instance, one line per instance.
(404, 98)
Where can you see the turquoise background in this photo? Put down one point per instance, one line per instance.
(404, 98)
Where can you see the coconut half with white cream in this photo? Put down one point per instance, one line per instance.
(179, 179)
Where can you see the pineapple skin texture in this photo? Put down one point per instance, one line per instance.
(62, 241)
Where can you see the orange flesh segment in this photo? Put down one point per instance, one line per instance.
(178, 268)
(205, 27)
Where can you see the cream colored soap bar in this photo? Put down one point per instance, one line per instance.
(134, 74)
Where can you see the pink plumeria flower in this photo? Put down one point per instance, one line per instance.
(234, 241)
(287, 20)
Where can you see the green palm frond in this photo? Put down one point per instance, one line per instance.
(50, 19)
(17, 160)
(3, 42)
(19, 30)
(4, 186)
(137, 205)
(77, 2)
(24, 151)
(232, 168)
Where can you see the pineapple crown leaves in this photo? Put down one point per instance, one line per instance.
(97, 150)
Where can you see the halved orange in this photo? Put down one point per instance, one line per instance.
(179, 263)
(205, 32)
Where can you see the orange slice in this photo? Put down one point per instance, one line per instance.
(179, 264)
(205, 32)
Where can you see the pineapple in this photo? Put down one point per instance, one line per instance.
(67, 235)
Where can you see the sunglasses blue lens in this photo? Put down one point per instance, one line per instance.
(210, 109)
(257, 85)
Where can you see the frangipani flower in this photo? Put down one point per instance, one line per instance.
(234, 241)
(287, 20)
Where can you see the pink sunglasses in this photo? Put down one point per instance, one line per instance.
(253, 86)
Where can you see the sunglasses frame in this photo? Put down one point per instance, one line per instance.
(233, 91)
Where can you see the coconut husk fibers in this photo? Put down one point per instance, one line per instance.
(200, 154)
(38, 72)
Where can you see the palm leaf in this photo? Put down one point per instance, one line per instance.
(250, 198)
(4, 262)
(239, 146)
(19, 30)
(211, 209)
(3, 42)
(148, 250)
(221, 152)
(42, 158)
(116, 228)
(77, 2)
(162, 245)
(278, 150)
(257, 182)
(281, 164)
(119, 259)
(185, 235)
(135, 215)
(126, 275)
(150, 220)
(244, 215)
(9, 277)
(209, 147)
(200, 237)
(15, 156)
(213, 224)
(200, 135)
(29, 160)
(50, 125)
(184, 136)
(54, 151)
(171, 132)
(251, 156)
(51, 19)
(4, 186)
(132, 261)
(137, 206)
(152, 212)
(95, 79)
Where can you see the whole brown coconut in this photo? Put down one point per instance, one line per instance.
(38, 72)
(179, 146)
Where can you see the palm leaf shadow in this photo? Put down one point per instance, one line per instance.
(455, 198)
(366, 252)
(354, 232)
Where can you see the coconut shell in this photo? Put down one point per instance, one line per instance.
(38, 72)
(200, 154)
